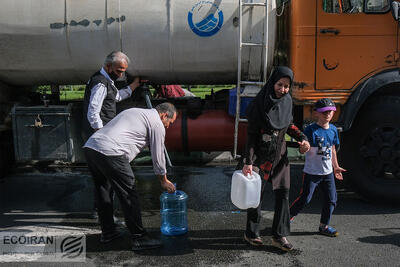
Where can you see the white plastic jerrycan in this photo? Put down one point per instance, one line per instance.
(245, 190)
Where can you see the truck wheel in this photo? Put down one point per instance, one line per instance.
(371, 150)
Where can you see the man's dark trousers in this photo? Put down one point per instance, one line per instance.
(86, 133)
(114, 172)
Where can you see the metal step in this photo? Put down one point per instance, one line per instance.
(254, 4)
(248, 95)
(251, 83)
(252, 44)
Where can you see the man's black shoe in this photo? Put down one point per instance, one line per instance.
(118, 222)
(145, 242)
(110, 236)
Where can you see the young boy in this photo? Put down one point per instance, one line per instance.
(321, 165)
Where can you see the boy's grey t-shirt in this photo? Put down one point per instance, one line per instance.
(129, 133)
(319, 157)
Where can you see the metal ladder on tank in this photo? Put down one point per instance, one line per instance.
(240, 82)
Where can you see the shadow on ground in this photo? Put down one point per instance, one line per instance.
(388, 236)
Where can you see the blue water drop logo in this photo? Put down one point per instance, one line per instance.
(205, 18)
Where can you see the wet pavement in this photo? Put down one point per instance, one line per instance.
(60, 201)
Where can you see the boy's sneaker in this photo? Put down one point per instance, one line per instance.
(328, 231)
(281, 243)
(253, 241)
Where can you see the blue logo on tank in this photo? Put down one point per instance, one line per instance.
(205, 18)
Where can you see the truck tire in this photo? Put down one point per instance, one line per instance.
(371, 150)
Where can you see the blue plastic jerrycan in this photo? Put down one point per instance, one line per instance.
(174, 213)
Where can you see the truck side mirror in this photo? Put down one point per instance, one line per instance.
(395, 10)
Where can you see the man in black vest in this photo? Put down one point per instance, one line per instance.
(101, 96)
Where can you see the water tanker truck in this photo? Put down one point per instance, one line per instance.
(347, 50)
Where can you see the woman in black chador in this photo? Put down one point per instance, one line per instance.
(269, 119)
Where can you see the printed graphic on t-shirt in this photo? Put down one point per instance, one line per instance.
(319, 157)
(324, 151)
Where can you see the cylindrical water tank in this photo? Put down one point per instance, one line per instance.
(168, 41)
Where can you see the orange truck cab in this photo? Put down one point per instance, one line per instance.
(348, 50)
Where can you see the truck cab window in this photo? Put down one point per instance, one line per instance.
(343, 6)
(376, 6)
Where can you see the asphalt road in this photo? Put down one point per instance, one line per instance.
(60, 200)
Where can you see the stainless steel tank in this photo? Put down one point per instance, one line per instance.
(168, 41)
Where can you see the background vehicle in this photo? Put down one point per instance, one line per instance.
(343, 49)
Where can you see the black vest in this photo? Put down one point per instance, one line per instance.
(109, 107)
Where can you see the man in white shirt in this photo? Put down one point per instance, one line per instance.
(109, 152)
